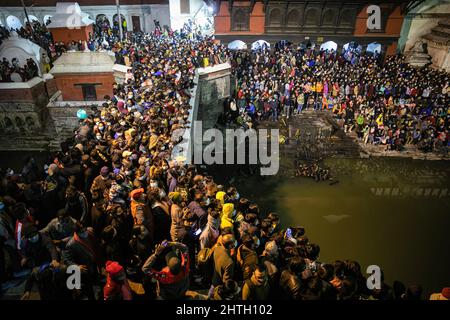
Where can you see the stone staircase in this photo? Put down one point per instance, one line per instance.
(36, 142)
(319, 136)
(440, 34)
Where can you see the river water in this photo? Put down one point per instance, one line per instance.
(394, 213)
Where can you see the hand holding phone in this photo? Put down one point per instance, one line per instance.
(288, 233)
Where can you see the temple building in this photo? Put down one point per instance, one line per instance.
(316, 22)
(139, 15)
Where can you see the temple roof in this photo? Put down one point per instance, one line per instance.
(69, 15)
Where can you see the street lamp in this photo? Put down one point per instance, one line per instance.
(120, 20)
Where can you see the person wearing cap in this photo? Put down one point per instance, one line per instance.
(173, 278)
(102, 182)
(116, 287)
(141, 212)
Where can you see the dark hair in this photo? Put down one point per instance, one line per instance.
(312, 251)
(71, 189)
(266, 224)
(261, 267)
(326, 272)
(414, 292)
(340, 269)
(348, 288)
(315, 284)
(253, 208)
(247, 240)
(227, 230)
(273, 216)
(61, 213)
(353, 268)
(297, 265)
(214, 214)
(231, 191)
(243, 205)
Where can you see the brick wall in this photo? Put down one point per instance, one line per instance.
(67, 35)
(222, 21)
(23, 94)
(72, 92)
(392, 28)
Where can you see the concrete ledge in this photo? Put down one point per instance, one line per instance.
(21, 85)
(73, 104)
(83, 62)
(48, 76)
(215, 68)
(183, 151)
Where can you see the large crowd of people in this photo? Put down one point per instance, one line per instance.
(139, 225)
(386, 103)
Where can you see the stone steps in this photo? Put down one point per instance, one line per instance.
(444, 23)
(441, 31)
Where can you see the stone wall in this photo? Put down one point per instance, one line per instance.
(22, 111)
(215, 86)
(70, 84)
(212, 86)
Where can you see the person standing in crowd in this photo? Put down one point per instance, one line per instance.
(173, 278)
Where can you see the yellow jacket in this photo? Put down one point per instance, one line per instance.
(227, 214)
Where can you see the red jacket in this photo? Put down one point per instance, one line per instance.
(114, 290)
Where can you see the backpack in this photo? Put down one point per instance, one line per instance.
(205, 264)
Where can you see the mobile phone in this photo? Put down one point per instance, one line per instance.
(288, 233)
(198, 232)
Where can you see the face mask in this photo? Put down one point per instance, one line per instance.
(257, 244)
(237, 196)
(99, 137)
(208, 201)
(34, 239)
(162, 194)
(83, 234)
(154, 184)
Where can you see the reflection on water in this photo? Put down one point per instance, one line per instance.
(394, 213)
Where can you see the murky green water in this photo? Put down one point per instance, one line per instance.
(394, 213)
